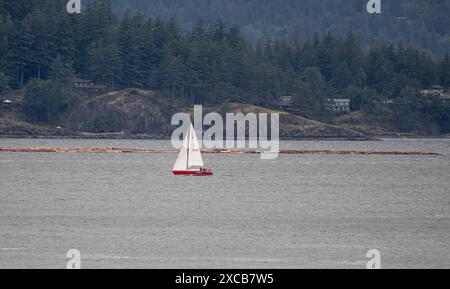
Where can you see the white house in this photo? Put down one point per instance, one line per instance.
(285, 101)
(445, 96)
(82, 83)
(340, 105)
(433, 91)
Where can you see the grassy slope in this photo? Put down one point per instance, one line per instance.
(144, 112)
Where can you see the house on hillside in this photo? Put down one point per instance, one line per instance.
(338, 105)
(445, 97)
(437, 91)
(433, 91)
(81, 83)
(285, 102)
(87, 85)
(387, 101)
(384, 100)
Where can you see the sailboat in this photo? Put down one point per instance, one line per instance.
(189, 161)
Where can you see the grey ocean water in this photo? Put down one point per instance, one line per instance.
(317, 211)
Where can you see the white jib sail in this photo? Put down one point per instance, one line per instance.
(190, 156)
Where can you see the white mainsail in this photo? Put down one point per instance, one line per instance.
(195, 160)
(190, 157)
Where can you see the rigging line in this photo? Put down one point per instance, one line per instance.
(188, 146)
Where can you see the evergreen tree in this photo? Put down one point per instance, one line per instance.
(104, 62)
(21, 55)
(132, 43)
(44, 101)
(5, 53)
(215, 63)
(39, 44)
(444, 71)
(326, 57)
(60, 70)
(4, 83)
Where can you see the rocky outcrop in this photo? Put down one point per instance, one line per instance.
(297, 127)
(141, 112)
(133, 111)
(12, 127)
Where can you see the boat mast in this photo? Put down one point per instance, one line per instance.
(188, 145)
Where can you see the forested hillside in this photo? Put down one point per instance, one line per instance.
(420, 23)
(41, 46)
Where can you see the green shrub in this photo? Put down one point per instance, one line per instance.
(44, 101)
(133, 91)
(107, 122)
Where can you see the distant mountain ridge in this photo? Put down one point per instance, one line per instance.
(420, 23)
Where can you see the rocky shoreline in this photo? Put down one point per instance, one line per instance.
(206, 151)
(143, 115)
(112, 136)
(156, 137)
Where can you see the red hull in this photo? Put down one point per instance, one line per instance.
(193, 173)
